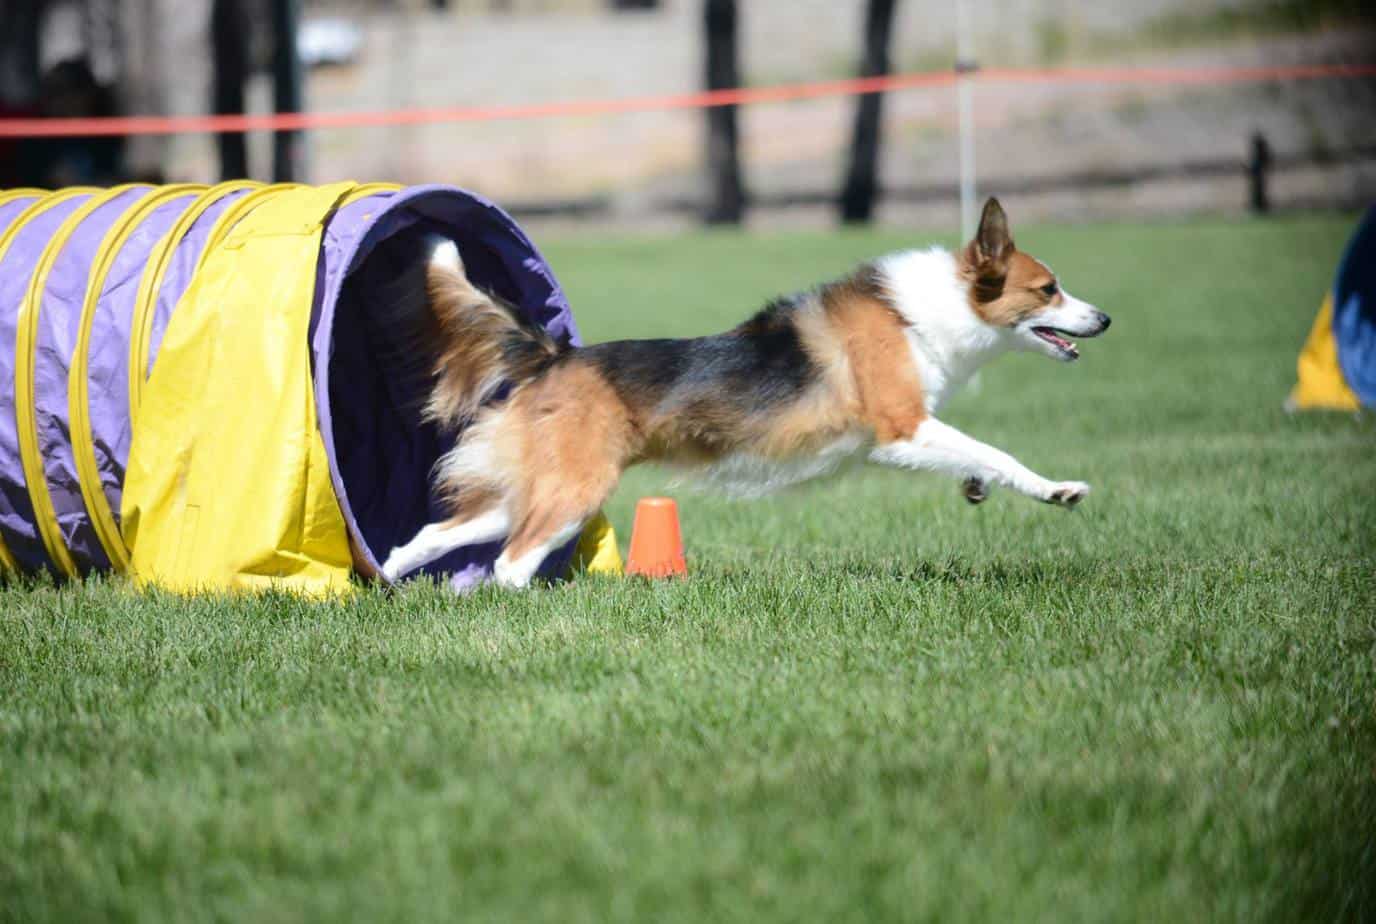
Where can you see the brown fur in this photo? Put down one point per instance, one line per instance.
(867, 382)
(885, 388)
(475, 331)
(705, 427)
(469, 498)
(567, 436)
(802, 374)
(1006, 285)
(557, 446)
(563, 439)
(700, 433)
(708, 430)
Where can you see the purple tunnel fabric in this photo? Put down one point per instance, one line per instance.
(63, 294)
(18, 526)
(367, 396)
(369, 383)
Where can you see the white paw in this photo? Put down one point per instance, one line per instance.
(1067, 493)
(509, 574)
(510, 582)
(445, 255)
(504, 574)
(393, 568)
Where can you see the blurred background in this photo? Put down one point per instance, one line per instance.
(1068, 150)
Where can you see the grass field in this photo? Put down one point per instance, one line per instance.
(869, 702)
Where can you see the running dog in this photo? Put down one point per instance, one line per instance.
(855, 367)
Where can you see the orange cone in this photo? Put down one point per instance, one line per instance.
(656, 541)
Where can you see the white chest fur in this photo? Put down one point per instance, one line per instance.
(949, 342)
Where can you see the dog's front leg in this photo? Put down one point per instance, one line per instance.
(439, 539)
(936, 447)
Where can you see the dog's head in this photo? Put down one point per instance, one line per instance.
(1019, 295)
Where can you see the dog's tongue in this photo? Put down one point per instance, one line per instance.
(1051, 336)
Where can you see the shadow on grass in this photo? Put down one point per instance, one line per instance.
(962, 572)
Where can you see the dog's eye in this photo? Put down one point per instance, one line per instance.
(1049, 289)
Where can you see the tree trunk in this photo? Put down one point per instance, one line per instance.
(288, 147)
(19, 40)
(726, 204)
(229, 29)
(19, 86)
(862, 177)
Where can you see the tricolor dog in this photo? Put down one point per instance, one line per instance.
(856, 367)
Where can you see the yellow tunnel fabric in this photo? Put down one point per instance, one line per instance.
(1320, 385)
(150, 284)
(78, 380)
(228, 485)
(597, 551)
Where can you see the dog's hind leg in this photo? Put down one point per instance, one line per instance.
(568, 440)
(517, 570)
(439, 539)
(554, 508)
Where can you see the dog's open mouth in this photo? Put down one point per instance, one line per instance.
(1054, 337)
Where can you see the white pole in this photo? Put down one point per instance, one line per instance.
(965, 65)
(401, 85)
(965, 62)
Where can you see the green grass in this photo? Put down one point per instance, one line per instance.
(1256, 18)
(870, 701)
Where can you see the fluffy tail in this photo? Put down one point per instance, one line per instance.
(483, 341)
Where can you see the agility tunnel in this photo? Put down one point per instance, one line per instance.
(1337, 366)
(206, 393)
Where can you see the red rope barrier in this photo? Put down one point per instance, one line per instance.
(293, 121)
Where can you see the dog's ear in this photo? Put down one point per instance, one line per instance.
(987, 256)
(993, 242)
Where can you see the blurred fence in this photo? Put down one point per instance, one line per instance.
(1255, 167)
(741, 96)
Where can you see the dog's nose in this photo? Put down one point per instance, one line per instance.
(1104, 321)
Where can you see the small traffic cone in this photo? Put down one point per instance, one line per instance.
(656, 540)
